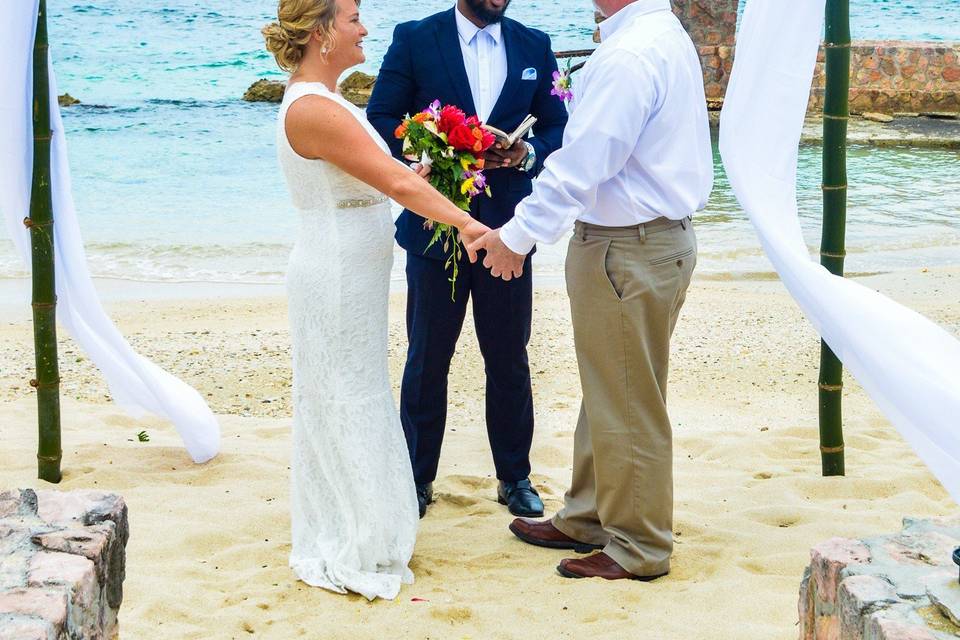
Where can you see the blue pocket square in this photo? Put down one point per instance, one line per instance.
(529, 74)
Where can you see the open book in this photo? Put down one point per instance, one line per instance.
(509, 139)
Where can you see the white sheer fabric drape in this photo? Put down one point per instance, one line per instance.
(136, 383)
(908, 365)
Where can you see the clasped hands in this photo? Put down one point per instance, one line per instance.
(502, 262)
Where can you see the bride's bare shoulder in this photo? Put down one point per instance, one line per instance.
(315, 109)
(314, 123)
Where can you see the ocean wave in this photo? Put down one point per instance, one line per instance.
(173, 102)
(218, 64)
(183, 249)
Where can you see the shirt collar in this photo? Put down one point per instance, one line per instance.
(626, 15)
(468, 31)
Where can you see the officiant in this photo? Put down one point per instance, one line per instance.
(474, 57)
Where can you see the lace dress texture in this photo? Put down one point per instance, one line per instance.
(353, 502)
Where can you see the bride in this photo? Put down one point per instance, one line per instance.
(353, 502)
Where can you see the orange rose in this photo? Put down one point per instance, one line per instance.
(421, 117)
(478, 136)
(401, 131)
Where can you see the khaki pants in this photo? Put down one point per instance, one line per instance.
(626, 288)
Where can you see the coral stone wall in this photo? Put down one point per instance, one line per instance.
(62, 564)
(901, 586)
(885, 76)
(712, 25)
(899, 77)
(709, 22)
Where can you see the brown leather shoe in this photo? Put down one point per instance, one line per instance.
(544, 534)
(599, 565)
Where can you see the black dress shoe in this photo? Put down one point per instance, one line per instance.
(424, 497)
(521, 498)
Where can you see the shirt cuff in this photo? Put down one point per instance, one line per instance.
(516, 239)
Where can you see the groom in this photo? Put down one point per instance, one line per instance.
(636, 163)
(473, 57)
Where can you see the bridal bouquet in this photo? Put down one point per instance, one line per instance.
(452, 145)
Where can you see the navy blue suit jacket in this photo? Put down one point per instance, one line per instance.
(425, 63)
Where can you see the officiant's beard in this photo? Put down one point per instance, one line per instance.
(485, 13)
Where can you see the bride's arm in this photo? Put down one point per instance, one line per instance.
(320, 128)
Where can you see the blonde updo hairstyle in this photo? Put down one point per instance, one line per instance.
(297, 21)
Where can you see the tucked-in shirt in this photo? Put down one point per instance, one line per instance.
(637, 145)
(485, 61)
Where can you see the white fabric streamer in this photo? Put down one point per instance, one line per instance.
(908, 365)
(136, 383)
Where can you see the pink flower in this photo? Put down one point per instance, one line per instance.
(562, 86)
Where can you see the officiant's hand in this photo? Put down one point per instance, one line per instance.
(502, 262)
(497, 157)
(469, 234)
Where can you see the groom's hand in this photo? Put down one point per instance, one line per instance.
(498, 157)
(469, 234)
(502, 262)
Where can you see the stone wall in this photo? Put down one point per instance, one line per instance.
(886, 76)
(712, 25)
(899, 77)
(62, 564)
(896, 587)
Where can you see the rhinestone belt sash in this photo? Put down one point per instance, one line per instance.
(361, 203)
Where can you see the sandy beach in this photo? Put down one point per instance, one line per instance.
(208, 552)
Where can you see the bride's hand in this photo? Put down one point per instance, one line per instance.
(470, 233)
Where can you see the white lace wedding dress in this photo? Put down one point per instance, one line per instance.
(353, 502)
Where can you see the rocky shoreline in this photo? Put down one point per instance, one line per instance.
(357, 88)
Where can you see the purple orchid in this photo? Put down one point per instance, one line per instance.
(562, 85)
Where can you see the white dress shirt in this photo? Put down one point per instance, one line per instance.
(637, 145)
(485, 61)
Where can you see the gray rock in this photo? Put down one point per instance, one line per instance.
(877, 117)
(67, 100)
(945, 594)
(18, 503)
(265, 91)
(358, 87)
(860, 596)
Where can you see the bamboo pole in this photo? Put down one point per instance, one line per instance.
(40, 223)
(832, 248)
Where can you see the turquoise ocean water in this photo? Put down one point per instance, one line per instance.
(176, 179)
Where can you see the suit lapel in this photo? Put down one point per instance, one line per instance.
(514, 72)
(448, 40)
